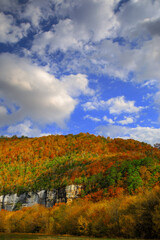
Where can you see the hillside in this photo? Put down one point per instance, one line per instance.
(105, 167)
(120, 182)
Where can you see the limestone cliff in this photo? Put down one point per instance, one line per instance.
(13, 202)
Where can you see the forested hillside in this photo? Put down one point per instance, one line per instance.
(106, 167)
(120, 178)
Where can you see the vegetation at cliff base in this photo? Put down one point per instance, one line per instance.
(136, 216)
(120, 179)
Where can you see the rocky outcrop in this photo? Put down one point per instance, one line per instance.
(13, 202)
(72, 192)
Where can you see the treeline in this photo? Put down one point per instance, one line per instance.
(136, 216)
(105, 167)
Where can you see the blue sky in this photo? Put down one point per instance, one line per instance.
(71, 66)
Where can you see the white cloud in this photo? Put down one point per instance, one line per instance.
(9, 5)
(119, 105)
(61, 37)
(144, 134)
(115, 105)
(9, 32)
(3, 110)
(77, 84)
(79, 22)
(126, 120)
(38, 94)
(85, 32)
(92, 118)
(33, 12)
(90, 106)
(25, 129)
(139, 18)
(150, 83)
(109, 120)
(138, 22)
(95, 105)
(118, 60)
(82, 23)
(156, 98)
(148, 96)
(93, 17)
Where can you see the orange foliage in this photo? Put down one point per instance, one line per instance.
(126, 217)
(26, 163)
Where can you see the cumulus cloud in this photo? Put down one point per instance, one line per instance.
(77, 84)
(92, 118)
(38, 94)
(89, 22)
(36, 11)
(144, 134)
(9, 32)
(126, 120)
(94, 18)
(115, 105)
(33, 11)
(62, 37)
(139, 53)
(25, 128)
(121, 60)
(3, 111)
(9, 5)
(138, 19)
(119, 105)
(80, 22)
(75, 38)
(109, 120)
(90, 27)
(95, 105)
(136, 23)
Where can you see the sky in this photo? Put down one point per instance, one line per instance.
(71, 66)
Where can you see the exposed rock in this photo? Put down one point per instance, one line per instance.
(30, 200)
(12, 202)
(51, 198)
(42, 195)
(61, 195)
(9, 201)
(73, 191)
(1, 201)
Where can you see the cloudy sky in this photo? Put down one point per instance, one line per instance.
(71, 66)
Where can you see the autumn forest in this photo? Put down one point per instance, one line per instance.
(120, 179)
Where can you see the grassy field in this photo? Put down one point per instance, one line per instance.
(43, 237)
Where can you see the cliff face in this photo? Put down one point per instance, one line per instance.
(13, 202)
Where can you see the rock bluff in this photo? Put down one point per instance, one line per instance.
(12, 202)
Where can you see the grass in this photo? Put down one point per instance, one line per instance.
(42, 237)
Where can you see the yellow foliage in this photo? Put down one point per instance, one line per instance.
(156, 220)
(127, 225)
(82, 225)
(127, 216)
